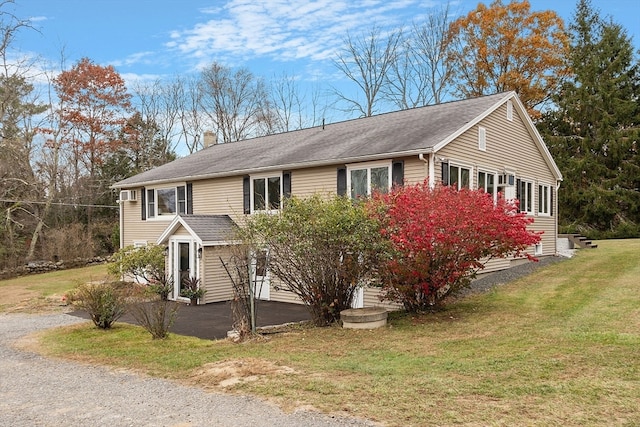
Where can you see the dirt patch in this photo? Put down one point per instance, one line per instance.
(221, 375)
(30, 343)
(17, 299)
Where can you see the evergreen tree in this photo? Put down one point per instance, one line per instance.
(594, 132)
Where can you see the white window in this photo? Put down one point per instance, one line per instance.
(482, 139)
(365, 178)
(266, 192)
(166, 202)
(458, 176)
(487, 182)
(544, 199)
(525, 195)
(538, 249)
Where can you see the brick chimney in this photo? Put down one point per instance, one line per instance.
(209, 139)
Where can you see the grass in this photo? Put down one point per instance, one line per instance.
(43, 291)
(559, 347)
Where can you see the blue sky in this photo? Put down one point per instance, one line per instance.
(149, 39)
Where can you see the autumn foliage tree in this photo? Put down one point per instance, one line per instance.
(500, 47)
(96, 104)
(441, 237)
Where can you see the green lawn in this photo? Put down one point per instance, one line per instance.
(559, 347)
(34, 292)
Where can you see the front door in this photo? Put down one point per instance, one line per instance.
(183, 264)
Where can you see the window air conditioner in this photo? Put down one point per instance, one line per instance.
(128, 196)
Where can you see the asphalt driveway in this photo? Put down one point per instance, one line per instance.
(213, 321)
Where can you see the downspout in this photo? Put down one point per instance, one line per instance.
(429, 168)
(121, 209)
(556, 212)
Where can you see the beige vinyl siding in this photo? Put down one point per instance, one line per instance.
(213, 276)
(372, 299)
(508, 146)
(322, 180)
(415, 170)
(134, 229)
(220, 196)
(281, 295)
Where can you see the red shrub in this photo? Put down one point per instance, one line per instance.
(440, 237)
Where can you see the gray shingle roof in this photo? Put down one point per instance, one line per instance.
(386, 135)
(211, 228)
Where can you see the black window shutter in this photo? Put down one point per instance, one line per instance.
(246, 194)
(445, 173)
(397, 173)
(143, 203)
(518, 189)
(286, 184)
(189, 198)
(342, 181)
(551, 201)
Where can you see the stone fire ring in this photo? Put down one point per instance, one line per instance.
(364, 318)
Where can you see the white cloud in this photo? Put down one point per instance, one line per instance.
(283, 30)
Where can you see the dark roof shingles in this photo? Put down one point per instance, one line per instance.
(389, 133)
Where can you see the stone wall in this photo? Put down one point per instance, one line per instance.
(37, 267)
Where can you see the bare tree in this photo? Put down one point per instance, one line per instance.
(193, 122)
(18, 106)
(421, 75)
(236, 102)
(292, 107)
(160, 103)
(366, 60)
(287, 103)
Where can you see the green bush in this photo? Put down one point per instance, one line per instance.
(104, 302)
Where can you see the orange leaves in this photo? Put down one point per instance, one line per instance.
(509, 47)
(94, 105)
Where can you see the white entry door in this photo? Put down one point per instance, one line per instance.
(182, 263)
(260, 276)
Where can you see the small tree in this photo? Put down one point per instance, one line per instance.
(154, 314)
(322, 250)
(145, 264)
(243, 307)
(441, 237)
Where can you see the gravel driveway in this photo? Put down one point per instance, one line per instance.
(38, 391)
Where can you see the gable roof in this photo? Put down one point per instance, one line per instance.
(208, 230)
(401, 133)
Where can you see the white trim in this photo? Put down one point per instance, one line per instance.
(168, 232)
(155, 188)
(368, 166)
(462, 165)
(265, 176)
(536, 137)
(174, 262)
(548, 196)
(532, 208)
(487, 172)
(432, 170)
(538, 249)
